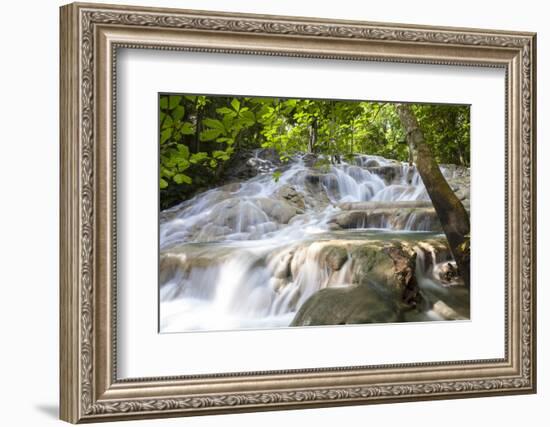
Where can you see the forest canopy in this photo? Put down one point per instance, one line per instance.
(200, 134)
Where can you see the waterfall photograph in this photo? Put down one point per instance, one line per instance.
(286, 212)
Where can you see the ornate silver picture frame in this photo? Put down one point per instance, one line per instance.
(91, 35)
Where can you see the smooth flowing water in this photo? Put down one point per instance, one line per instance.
(249, 254)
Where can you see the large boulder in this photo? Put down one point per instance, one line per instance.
(335, 257)
(382, 285)
(312, 190)
(416, 219)
(314, 179)
(350, 219)
(238, 215)
(279, 211)
(458, 178)
(371, 205)
(344, 305)
(446, 312)
(211, 232)
(309, 159)
(246, 164)
(371, 163)
(389, 173)
(390, 264)
(289, 194)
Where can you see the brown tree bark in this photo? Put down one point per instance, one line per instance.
(454, 218)
(198, 126)
(312, 143)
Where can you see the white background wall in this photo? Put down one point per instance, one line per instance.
(29, 170)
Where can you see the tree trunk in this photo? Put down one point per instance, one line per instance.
(452, 215)
(196, 138)
(312, 136)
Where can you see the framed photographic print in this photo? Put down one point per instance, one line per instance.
(267, 212)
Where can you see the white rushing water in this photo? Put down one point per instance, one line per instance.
(248, 254)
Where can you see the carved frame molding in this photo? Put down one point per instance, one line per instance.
(90, 36)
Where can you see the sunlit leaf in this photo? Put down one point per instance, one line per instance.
(198, 157)
(236, 104)
(209, 134)
(181, 178)
(225, 139)
(166, 172)
(183, 151)
(220, 155)
(225, 110)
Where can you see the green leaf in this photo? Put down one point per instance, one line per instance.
(236, 104)
(171, 162)
(168, 122)
(183, 164)
(225, 110)
(178, 112)
(210, 134)
(166, 172)
(214, 124)
(163, 183)
(276, 176)
(229, 123)
(165, 135)
(249, 117)
(225, 139)
(183, 151)
(187, 128)
(173, 101)
(198, 157)
(181, 178)
(220, 155)
(163, 102)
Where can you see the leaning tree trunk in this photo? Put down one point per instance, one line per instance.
(452, 215)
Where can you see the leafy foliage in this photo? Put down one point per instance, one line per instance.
(447, 131)
(199, 135)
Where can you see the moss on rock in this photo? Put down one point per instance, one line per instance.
(354, 304)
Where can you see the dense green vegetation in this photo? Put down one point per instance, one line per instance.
(452, 215)
(199, 135)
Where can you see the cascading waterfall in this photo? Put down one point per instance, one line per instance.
(249, 254)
